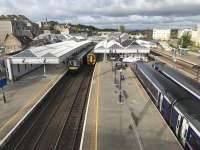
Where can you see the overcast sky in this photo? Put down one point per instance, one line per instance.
(134, 14)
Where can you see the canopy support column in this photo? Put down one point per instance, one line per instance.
(44, 66)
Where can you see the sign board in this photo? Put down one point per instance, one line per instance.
(3, 82)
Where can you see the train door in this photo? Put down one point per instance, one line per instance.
(160, 101)
(184, 131)
(178, 124)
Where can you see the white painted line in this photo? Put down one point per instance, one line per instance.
(86, 113)
(12, 131)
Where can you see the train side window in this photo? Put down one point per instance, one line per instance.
(178, 123)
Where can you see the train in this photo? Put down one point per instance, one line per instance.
(85, 57)
(179, 108)
(91, 58)
(185, 82)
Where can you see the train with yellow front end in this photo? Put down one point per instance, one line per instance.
(91, 58)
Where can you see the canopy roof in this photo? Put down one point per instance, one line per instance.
(49, 54)
(115, 47)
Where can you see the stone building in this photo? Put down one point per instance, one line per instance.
(16, 32)
(14, 44)
(161, 34)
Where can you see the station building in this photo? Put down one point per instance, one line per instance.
(128, 50)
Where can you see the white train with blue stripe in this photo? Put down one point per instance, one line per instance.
(179, 108)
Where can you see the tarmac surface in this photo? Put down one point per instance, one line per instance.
(21, 95)
(133, 124)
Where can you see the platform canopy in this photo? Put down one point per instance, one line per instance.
(115, 47)
(49, 54)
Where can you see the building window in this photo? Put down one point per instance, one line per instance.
(18, 67)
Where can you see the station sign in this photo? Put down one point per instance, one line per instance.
(3, 82)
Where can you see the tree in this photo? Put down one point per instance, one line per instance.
(185, 40)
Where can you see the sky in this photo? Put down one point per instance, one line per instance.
(133, 14)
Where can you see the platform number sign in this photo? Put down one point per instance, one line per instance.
(3, 82)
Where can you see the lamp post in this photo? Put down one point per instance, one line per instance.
(44, 62)
(115, 68)
(4, 98)
(120, 85)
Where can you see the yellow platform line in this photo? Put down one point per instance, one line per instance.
(97, 108)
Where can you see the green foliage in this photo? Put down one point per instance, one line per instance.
(185, 40)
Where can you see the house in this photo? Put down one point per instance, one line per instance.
(14, 44)
(161, 34)
(22, 29)
(195, 35)
(64, 29)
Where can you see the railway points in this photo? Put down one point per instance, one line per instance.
(133, 124)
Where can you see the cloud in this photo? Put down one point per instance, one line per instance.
(109, 13)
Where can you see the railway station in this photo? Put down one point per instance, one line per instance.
(99, 75)
(88, 96)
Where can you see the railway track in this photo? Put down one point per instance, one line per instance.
(187, 67)
(56, 124)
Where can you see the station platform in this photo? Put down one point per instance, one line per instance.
(133, 124)
(23, 94)
(192, 59)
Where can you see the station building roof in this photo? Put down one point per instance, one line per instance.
(116, 47)
(48, 54)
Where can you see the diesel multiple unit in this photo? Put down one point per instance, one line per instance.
(179, 108)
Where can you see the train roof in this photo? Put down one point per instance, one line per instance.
(83, 53)
(187, 103)
(189, 84)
